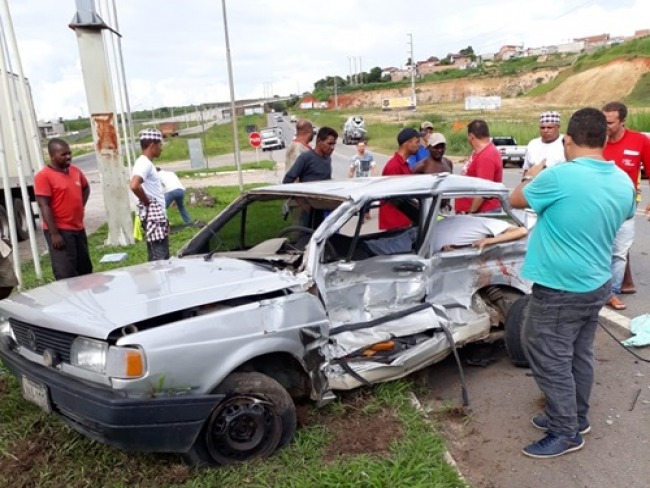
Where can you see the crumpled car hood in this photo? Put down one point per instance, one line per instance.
(95, 304)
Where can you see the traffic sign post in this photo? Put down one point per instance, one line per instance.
(255, 140)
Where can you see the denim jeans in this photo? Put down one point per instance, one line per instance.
(622, 245)
(560, 344)
(178, 196)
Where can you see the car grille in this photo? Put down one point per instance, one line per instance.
(38, 339)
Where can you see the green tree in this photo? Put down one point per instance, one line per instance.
(375, 75)
(327, 83)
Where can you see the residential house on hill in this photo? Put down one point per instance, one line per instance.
(509, 51)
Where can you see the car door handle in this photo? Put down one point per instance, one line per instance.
(413, 267)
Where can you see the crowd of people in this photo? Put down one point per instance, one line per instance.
(584, 186)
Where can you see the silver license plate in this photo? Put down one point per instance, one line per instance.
(36, 393)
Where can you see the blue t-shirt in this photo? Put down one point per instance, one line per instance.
(423, 153)
(580, 205)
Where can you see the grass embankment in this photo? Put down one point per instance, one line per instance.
(400, 448)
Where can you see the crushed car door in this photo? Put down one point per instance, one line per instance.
(375, 272)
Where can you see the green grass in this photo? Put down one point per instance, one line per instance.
(640, 96)
(216, 140)
(264, 164)
(37, 450)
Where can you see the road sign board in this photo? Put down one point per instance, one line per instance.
(255, 139)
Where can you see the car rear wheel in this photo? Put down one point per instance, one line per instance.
(256, 418)
(515, 332)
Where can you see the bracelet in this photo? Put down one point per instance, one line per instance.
(527, 178)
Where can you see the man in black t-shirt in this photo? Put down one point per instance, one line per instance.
(315, 165)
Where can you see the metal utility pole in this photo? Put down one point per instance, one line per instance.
(88, 27)
(413, 65)
(360, 70)
(232, 99)
(351, 72)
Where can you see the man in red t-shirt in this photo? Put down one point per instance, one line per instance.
(409, 142)
(62, 192)
(628, 149)
(485, 162)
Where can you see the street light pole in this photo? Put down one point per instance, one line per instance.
(232, 99)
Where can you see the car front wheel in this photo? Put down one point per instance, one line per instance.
(256, 418)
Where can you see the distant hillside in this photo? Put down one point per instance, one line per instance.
(616, 73)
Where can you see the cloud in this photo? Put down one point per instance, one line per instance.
(175, 54)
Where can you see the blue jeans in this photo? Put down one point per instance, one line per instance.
(178, 196)
(622, 245)
(560, 344)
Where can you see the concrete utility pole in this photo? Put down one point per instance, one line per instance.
(413, 65)
(233, 113)
(88, 27)
(336, 95)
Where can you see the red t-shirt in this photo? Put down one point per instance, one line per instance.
(65, 192)
(389, 216)
(628, 153)
(484, 164)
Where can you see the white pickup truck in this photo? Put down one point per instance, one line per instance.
(509, 150)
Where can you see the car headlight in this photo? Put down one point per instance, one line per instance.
(7, 334)
(6, 330)
(113, 361)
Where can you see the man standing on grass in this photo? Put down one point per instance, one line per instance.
(147, 187)
(62, 192)
(580, 206)
(174, 193)
(313, 165)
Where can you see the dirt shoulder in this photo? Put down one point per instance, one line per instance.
(486, 440)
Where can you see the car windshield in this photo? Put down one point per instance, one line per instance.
(263, 227)
(268, 133)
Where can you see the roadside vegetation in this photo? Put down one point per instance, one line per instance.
(370, 437)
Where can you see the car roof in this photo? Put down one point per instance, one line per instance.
(378, 187)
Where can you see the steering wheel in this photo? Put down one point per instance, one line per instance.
(306, 230)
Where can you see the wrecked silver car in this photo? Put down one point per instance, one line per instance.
(288, 294)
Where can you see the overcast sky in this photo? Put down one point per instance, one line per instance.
(174, 51)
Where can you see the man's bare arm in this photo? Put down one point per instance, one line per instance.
(512, 233)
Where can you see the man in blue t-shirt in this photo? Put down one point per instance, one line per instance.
(426, 129)
(580, 206)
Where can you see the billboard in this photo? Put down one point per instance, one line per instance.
(400, 103)
(482, 103)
